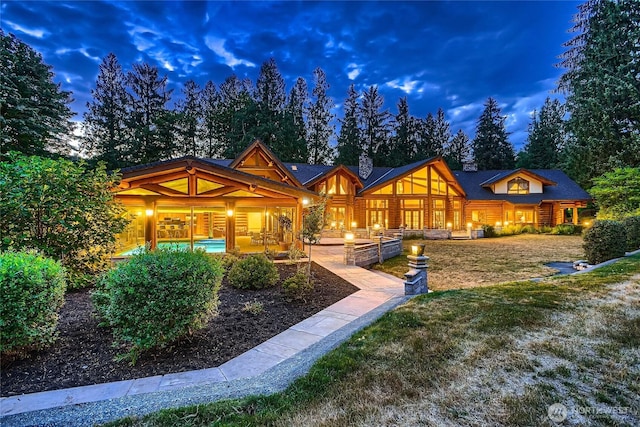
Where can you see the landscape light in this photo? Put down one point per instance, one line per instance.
(417, 249)
(376, 226)
(349, 237)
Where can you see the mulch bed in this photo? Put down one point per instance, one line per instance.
(83, 353)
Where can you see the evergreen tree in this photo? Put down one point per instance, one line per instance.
(404, 142)
(237, 116)
(106, 131)
(349, 141)
(441, 132)
(603, 89)
(190, 119)
(297, 108)
(319, 121)
(150, 122)
(491, 146)
(546, 137)
(429, 144)
(374, 124)
(210, 131)
(34, 110)
(458, 150)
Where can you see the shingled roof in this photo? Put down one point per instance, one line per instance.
(565, 188)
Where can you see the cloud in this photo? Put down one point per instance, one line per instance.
(411, 87)
(33, 32)
(354, 71)
(217, 46)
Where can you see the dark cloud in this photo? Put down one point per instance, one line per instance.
(439, 54)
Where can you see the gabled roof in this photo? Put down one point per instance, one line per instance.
(502, 175)
(258, 147)
(334, 170)
(564, 189)
(189, 165)
(392, 174)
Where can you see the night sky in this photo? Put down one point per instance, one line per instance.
(452, 55)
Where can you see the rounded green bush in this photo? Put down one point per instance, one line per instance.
(253, 272)
(297, 286)
(158, 297)
(632, 225)
(605, 240)
(32, 291)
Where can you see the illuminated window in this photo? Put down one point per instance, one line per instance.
(518, 186)
(387, 189)
(524, 216)
(331, 185)
(438, 184)
(377, 212)
(412, 213)
(438, 214)
(479, 216)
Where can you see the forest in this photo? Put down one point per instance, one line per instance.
(134, 118)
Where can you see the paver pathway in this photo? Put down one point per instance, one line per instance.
(269, 367)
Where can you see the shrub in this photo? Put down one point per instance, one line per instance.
(605, 240)
(253, 272)
(489, 231)
(64, 209)
(158, 297)
(32, 291)
(255, 307)
(632, 225)
(298, 286)
(226, 260)
(566, 229)
(510, 230)
(529, 229)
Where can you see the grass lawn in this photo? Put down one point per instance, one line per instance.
(488, 355)
(457, 264)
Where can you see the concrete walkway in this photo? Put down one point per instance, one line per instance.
(267, 368)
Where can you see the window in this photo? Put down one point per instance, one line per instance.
(377, 212)
(438, 184)
(388, 189)
(479, 216)
(524, 216)
(518, 186)
(438, 213)
(412, 213)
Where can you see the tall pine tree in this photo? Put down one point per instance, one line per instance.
(319, 121)
(106, 131)
(374, 125)
(349, 140)
(190, 119)
(458, 150)
(297, 108)
(210, 131)
(404, 141)
(150, 121)
(603, 89)
(34, 110)
(491, 146)
(546, 137)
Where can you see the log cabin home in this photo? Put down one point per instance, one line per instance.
(256, 202)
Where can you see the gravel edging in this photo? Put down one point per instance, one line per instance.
(274, 380)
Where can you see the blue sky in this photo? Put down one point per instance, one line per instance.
(448, 54)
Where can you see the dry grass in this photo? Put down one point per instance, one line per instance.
(459, 264)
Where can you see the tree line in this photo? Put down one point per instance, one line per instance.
(128, 120)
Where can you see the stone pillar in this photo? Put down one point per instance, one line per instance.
(349, 253)
(416, 281)
(378, 240)
(469, 228)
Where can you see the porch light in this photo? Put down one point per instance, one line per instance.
(149, 212)
(305, 201)
(449, 226)
(229, 213)
(506, 223)
(498, 223)
(333, 224)
(354, 224)
(469, 225)
(349, 238)
(417, 249)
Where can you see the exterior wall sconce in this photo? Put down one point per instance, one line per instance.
(469, 225)
(449, 226)
(229, 213)
(354, 224)
(498, 223)
(417, 249)
(305, 201)
(149, 212)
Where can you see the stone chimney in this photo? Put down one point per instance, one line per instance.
(469, 166)
(365, 166)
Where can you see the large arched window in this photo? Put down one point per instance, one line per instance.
(518, 186)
